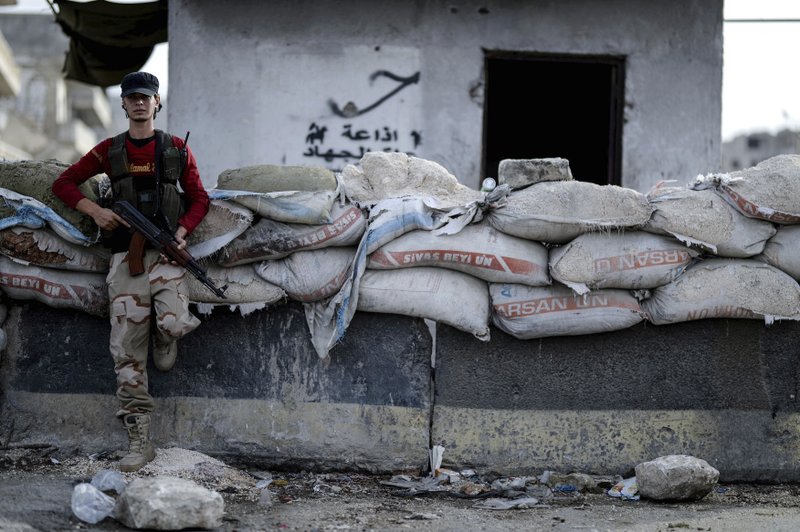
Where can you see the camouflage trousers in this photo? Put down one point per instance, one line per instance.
(133, 299)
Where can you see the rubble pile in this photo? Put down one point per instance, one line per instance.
(540, 255)
(187, 489)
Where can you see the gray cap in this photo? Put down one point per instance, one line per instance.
(139, 82)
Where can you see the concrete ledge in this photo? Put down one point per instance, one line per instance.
(253, 390)
(723, 390)
(248, 387)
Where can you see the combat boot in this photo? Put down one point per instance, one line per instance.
(165, 354)
(141, 449)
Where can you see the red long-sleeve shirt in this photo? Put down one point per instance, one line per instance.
(141, 162)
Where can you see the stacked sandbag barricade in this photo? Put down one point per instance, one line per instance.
(541, 255)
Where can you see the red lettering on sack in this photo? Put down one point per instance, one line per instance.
(748, 208)
(485, 261)
(720, 311)
(35, 284)
(547, 305)
(643, 259)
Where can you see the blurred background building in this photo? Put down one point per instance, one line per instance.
(744, 151)
(43, 115)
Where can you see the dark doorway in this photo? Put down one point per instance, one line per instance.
(570, 106)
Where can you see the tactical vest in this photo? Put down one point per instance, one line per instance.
(157, 197)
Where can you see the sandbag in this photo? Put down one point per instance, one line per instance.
(382, 175)
(268, 239)
(274, 178)
(527, 312)
(35, 179)
(309, 275)
(725, 288)
(82, 291)
(42, 247)
(224, 221)
(558, 211)
(768, 191)
(449, 297)
(630, 260)
(244, 288)
(783, 251)
(477, 249)
(388, 219)
(295, 206)
(20, 210)
(700, 218)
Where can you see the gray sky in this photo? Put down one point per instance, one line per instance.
(760, 79)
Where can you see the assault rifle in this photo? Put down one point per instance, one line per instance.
(163, 241)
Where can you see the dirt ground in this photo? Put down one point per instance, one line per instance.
(35, 494)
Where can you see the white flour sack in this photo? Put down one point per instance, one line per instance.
(630, 260)
(309, 275)
(55, 288)
(477, 249)
(245, 289)
(725, 288)
(35, 179)
(292, 206)
(527, 312)
(783, 251)
(453, 298)
(275, 178)
(768, 191)
(383, 175)
(701, 218)
(42, 247)
(224, 221)
(268, 239)
(558, 211)
(291, 194)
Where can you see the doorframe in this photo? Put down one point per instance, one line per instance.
(618, 66)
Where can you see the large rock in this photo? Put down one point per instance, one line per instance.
(676, 477)
(167, 503)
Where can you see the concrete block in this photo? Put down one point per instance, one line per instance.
(720, 390)
(249, 388)
(519, 173)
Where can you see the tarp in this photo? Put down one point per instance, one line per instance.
(108, 40)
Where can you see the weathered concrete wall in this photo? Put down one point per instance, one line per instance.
(252, 389)
(254, 82)
(723, 390)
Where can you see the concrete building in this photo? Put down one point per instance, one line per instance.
(47, 117)
(745, 151)
(629, 92)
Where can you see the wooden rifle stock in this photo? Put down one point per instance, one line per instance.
(136, 254)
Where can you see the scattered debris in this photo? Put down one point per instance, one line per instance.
(625, 489)
(507, 504)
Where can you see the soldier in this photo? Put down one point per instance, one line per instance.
(145, 166)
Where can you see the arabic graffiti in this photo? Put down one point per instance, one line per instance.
(385, 134)
(332, 140)
(351, 110)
